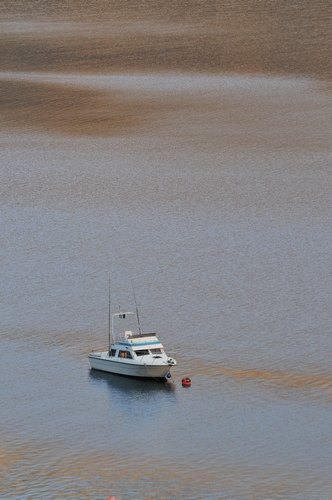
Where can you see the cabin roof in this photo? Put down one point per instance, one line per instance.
(146, 341)
(137, 336)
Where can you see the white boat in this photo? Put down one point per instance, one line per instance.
(133, 354)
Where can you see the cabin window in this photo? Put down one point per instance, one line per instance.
(142, 352)
(124, 354)
(156, 351)
(113, 352)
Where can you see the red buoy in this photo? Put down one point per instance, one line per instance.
(186, 382)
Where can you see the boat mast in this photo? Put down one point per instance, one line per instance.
(109, 315)
(137, 316)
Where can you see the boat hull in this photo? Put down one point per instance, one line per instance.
(102, 362)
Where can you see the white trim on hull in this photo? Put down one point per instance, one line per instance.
(102, 361)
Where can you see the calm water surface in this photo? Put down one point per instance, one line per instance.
(213, 194)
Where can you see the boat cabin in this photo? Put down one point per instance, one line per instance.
(135, 346)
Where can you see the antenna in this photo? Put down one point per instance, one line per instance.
(137, 316)
(109, 314)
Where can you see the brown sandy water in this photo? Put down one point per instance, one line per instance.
(185, 146)
(241, 36)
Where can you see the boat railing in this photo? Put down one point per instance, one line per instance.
(119, 338)
(171, 354)
(122, 337)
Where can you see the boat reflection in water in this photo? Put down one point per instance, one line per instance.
(132, 385)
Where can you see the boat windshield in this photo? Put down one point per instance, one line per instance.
(142, 352)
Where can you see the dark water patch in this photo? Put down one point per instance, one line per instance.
(242, 37)
(63, 109)
(251, 112)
